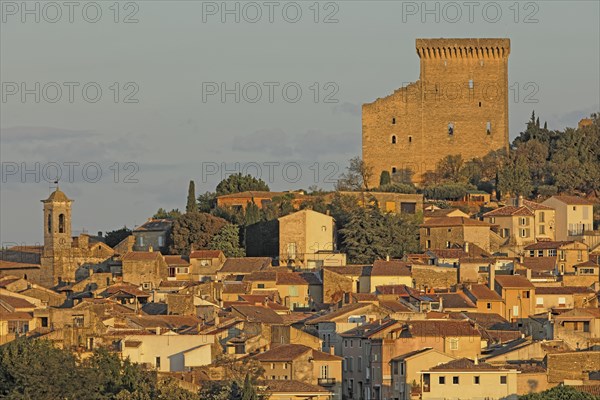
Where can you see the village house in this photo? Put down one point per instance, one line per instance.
(574, 216)
(406, 370)
(486, 300)
(400, 203)
(261, 199)
(465, 378)
(518, 295)
(307, 239)
(168, 352)
(204, 264)
(236, 268)
(579, 327)
(566, 253)
(153, 234)
(523, 224)
(304, 364)
(145, 268)
(445, 232)
(548, 298)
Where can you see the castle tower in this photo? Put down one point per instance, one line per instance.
(57, 223)
(459, 105)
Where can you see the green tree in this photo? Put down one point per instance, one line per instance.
(252, 214)
(249, 392)
(371, 234)
(398, 188)
(207, 202)
(191, 205)
(514, 177)
(194, 230)
(449, 168)
(385, 178)
(228, 241)
(115, 237)
(560, 393)
(164, 214)
(237, 183)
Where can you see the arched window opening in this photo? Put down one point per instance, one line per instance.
(393, 139)
(49, 224)
(61, 223)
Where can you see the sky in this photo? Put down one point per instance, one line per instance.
(129, 101)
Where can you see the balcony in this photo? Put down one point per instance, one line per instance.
(326, 381)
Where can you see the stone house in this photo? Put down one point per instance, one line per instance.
(261, 199)
(522, 224)
(291, 286)
(307, 239)
(486, 300)
(145, 268)
(579, 327)
(238, 267)
(518, 295)
(205, 263)
(401, 203)
(465, 378)
(574, 216)
(548, 298)
(445, 232)
(406, 369)
(567, 253)
(304, 364)
(348, 279)
(389, 272)
(153, 234)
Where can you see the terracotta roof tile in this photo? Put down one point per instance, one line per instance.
(573, 200)
(142, 256)
(463, 364)
(206, 254)
(509, 211)
(563, 290)
(292, 386)
(245, 265)
(544, 245)
(513, 281)
(454, 221)
(17, 265)
(483, 292)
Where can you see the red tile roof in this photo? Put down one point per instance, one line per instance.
(17, 265)
(206, 254)
(483, 292)
(545, 245)
(390, 268)
(290, 278)
(292, 386)
(245, 265)
(176, 260)
(563, 290)
(573, 200)
(464, 364)
(513, 281)
(454, 221)
(508, 211)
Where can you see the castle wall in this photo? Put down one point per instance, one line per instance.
(463, 82)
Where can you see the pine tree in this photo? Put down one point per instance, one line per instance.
(248, 390)
(191, 206)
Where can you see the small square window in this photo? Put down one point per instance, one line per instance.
(442, 380)
(489, 306)
(503, 380)
(476, 380)
(455, 380)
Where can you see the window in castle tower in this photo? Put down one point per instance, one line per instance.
(410, 139)
(450, 129)
(49, 223)
(393, 139)
(393, 121)
(61, 223)
(393, 170)
(479, 104)
(488, 128)
(470, 83)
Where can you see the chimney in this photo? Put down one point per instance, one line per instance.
(99, 233)
(520, 201)
(492, 276)
(528, 274)
(476, 361)
(387, 257)
(466, 247)
(158, 330)
(332, 350)
(549, 315)
(150, 249)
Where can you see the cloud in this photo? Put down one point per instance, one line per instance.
(347, 108)
(272, 142)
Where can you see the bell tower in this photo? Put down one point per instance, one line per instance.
(57, 223)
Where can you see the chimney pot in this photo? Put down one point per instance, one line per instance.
(150, 249)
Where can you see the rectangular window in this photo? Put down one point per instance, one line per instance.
(442, 380)
(540, 253)
(455, 380)
(260, 285)
(428, 244)
(542, 216)
(579, 255)
(542, 229)
(515, 311)
(552, 253)
(161, 241)
(562, 255)
(489, 306)
(324, 371)
(488, 127)
(293, 291)
(450, 129)
(539, 301)
(562, 301)
(531, 253)
(402, 368)
(476, 380)
(454, 344)
(157, 362)
(586, 212)
(526, 294)
(359, 365)
(395, 368)
(503, 380)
